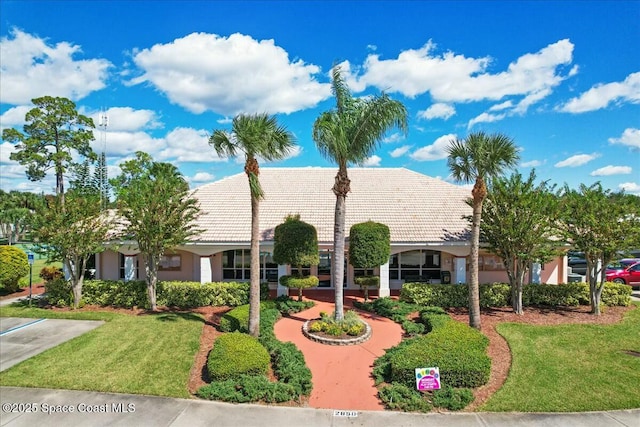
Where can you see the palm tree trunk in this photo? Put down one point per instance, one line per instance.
(479, 190)
(254, 290)
(340, 189)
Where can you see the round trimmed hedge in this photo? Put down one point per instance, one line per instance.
(13, 266)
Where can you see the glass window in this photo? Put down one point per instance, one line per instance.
(411, 259)
(136, 265)
(170, 263)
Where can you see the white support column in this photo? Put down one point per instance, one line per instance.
(282, 290)
(129, 268)
(460, 269)
(384, 290)
(205, 269)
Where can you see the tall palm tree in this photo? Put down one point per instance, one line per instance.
(347, 135)
(257, 135)
(479, 158)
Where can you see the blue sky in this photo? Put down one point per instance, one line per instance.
(561, 78)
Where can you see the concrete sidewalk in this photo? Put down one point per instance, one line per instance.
(44, 407)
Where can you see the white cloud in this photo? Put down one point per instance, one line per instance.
(127, 143)
(577, 160)
(630, 137)
(372, 161)
(32, 67)
(612, 170)
(449, 77)
(502, 106)
(229, 75)
(188, 145)
(435, 151)
(400, 151)
(437, 111)
(6, 148)
(14, 117)
(125, 119)
(630, 187)
(201, 177)
(601, 95)
(394, 137)
(531, 164)
(485, 118)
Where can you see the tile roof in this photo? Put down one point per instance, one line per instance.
(416, 208)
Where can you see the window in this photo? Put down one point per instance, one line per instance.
(236, 265)
(170, 263)
(415, 265)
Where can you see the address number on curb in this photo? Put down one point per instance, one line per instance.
(349, 414)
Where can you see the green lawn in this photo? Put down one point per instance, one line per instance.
(571, 367)
(148, 354)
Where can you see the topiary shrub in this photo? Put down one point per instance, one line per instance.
(434, 317)
(238, 318)
(13, 265)
(286, 305)
(299, 283)
(236, 354)
(366, 282)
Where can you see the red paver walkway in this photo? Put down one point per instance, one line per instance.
(341, 374)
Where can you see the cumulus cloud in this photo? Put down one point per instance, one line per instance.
(126, 119)
(14, 117)
(200, 177)
(451, 77)
(612, 170)
(394, 137)
(372, 161)
(437, 111)
(435, 151)
(188, 145)
(31, 66)
(630, 187)
(630, 137)
(577, 160)
(601, 95)
(400, 151)
(229, 75)
(6, 148)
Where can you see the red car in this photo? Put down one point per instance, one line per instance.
(629, 276)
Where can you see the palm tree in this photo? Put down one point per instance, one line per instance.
(256, 136)
(347, 135)
(478, 158)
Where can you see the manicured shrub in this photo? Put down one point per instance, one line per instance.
(458, 350)
(286, 305)
(13, 265)
(235, 354)
(367, 282)
(499, 295)
(399, 397)
(412, 328)
(49, 273)
(350, 325)
(453, 399)
(433, 317)
(299, 283)
(389, 308)
(58, 292)
(238, 318)
(246, 389)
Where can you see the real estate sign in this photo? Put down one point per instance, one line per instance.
(428, 379)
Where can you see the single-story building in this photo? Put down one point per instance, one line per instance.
(430, 239)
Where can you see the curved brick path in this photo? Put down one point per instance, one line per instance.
(341, 374)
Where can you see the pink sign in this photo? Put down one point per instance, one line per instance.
(428, 379)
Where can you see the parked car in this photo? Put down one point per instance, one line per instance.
(578, 265)
(629, 276)
(621, 264)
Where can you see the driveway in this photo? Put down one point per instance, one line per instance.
(22, 338)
